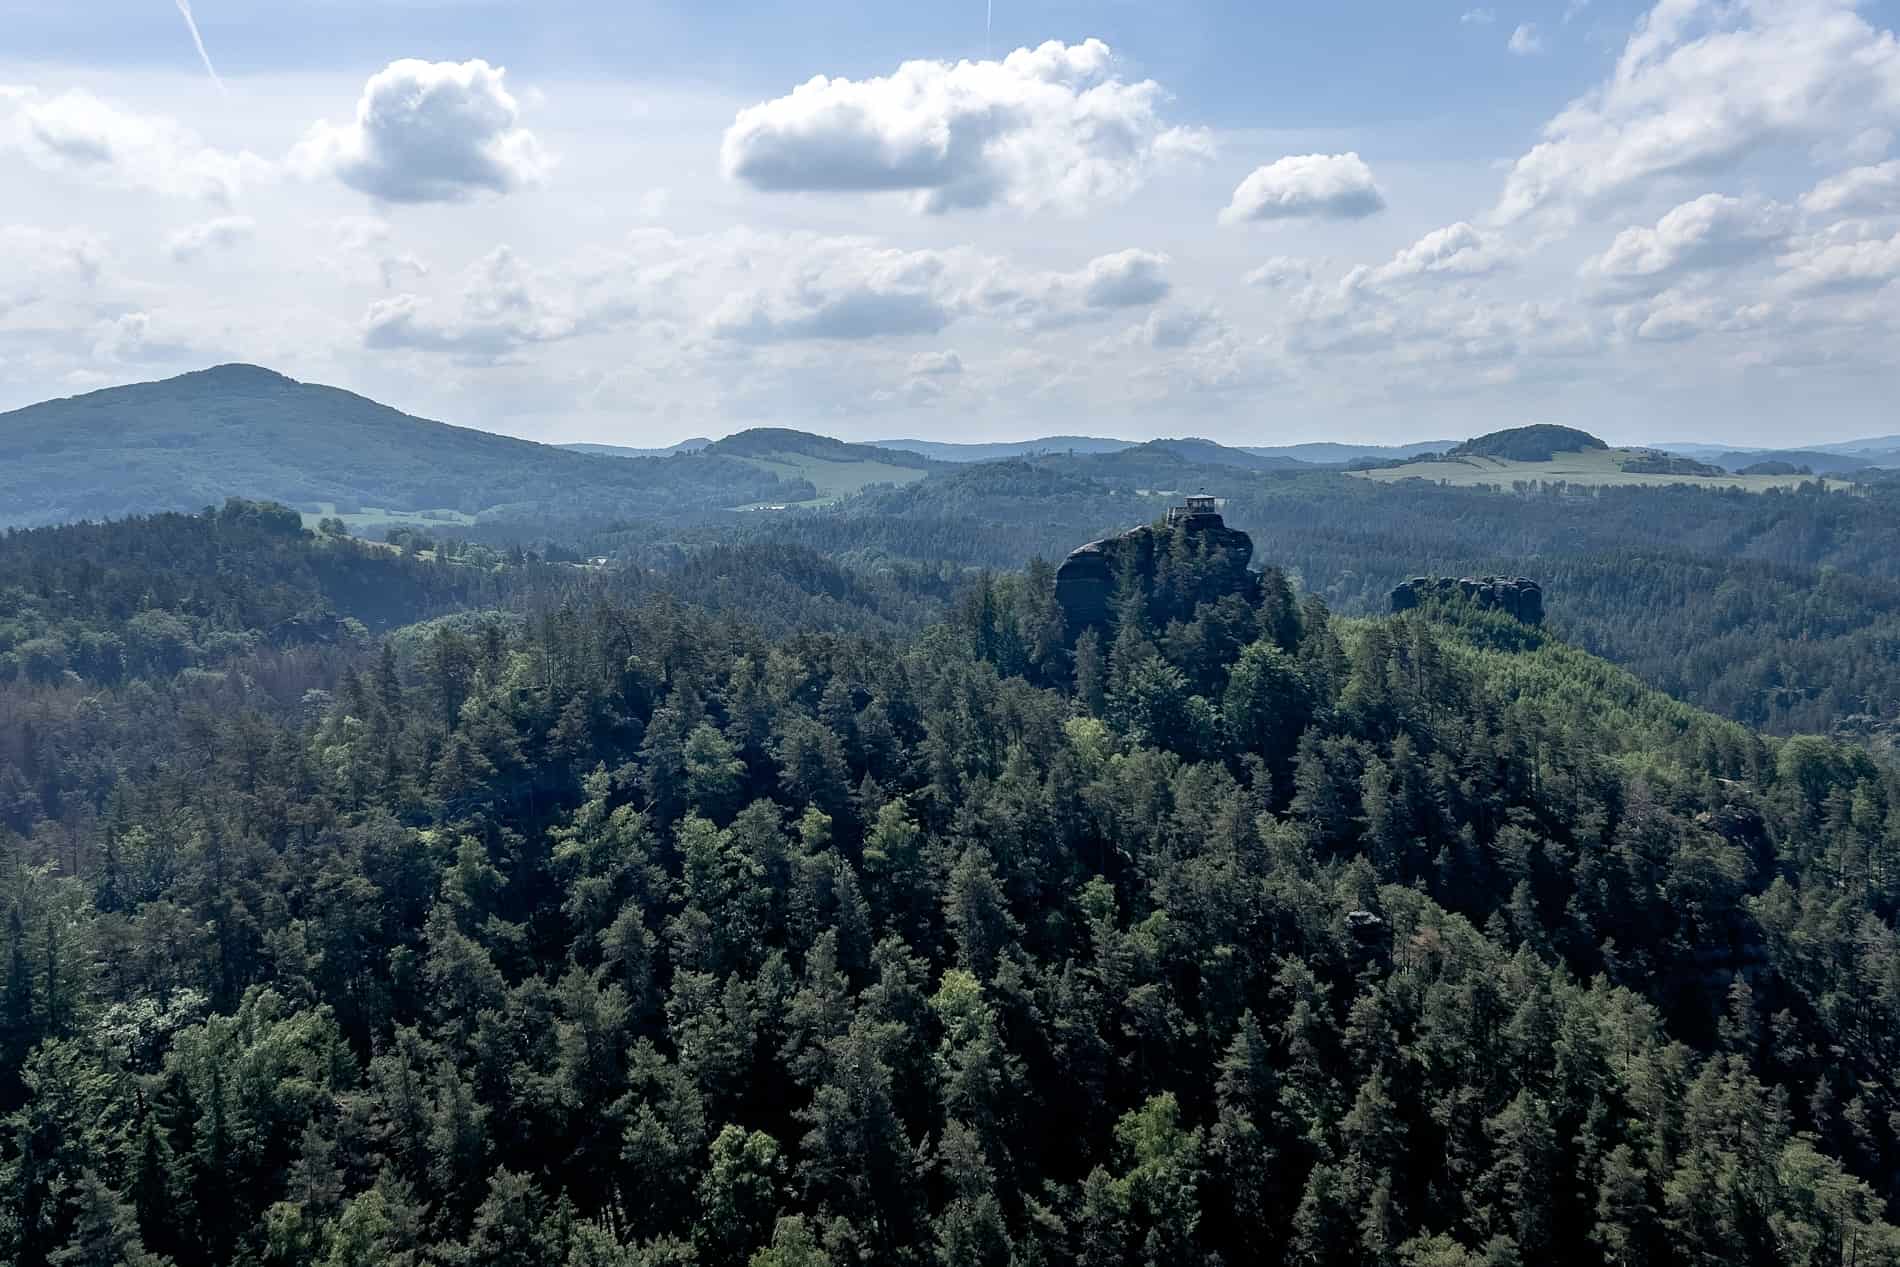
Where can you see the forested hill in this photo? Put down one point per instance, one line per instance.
(1778, 609)
(1528, 444)
(780, 442)
(238, 430)
(625, 934)
(147, 597)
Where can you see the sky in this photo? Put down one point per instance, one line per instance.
(640, 221)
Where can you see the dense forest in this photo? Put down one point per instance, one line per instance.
(555, 916)
(1777, 609)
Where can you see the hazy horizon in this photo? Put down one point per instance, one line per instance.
(1385, 221)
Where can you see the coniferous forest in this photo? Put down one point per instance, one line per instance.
(366, 908)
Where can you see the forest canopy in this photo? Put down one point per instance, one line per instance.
(588, 926)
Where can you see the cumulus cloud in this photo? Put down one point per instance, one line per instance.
(136, 338)
(364, 248)
(1675, 321)
(1834, 267)
(37, 264)
(1457, 250)
(503, 308)
(1280, 271)
(1051, 300)
(76, 134)
(1860, 191)
(936, 364)
(1525, 40)
(1677, 315)
(845, 289)
(1713, 231)
(1699, 84)
(1049, 127)
(220, 234)
(1126, 279)
(1178, 327)
(928, 378)
(1319, 186)
(429, 132)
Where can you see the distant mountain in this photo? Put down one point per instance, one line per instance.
(1823, 459)
(766, 442)
(946, 451)
(1696, 449)
(1815, 460)
(1882, 447)
(1210, 453)
(1327, 453)
(693, 445)
(191, 441)
(1320, 453)
(833, 468)
(1537, 443)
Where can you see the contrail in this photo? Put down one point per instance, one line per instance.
(989, 19)
(191, 23)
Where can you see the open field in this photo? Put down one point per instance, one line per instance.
(833, 480)
(369, 516)
(1600, 468)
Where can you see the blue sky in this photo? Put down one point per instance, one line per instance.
(1261, 223)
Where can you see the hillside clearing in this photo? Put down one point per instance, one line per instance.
(833, 480)
(1596, 468)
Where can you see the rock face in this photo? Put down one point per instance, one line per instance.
(1514, 595)
(1085, 583)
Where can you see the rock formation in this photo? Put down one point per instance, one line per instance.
(1085, 583)
(1513, 595)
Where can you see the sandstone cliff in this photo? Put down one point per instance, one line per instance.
(1515, 595)
(1197, 558)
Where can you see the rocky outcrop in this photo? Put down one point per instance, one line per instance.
(1085, 583)
(1514, 595)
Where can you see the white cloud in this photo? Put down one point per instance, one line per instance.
(1700, 84)
(1320, 186)
(1280, 271)
(365, 249)
(77, 134)
(848, 289)
(1126, 279)
(137, 338)
(1457, 250)
(503, 308)
(1478, 17)
(935, 364)
(38, 264)
(1825, 267)
(1525, 40)
(1051, 300)
(429, 132)
(1713, 231)
(1860, 191)
(220, 234)
(1050, 127)
(929, 378)
(1179, 327)
(1676, 321)
(1676, 316)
